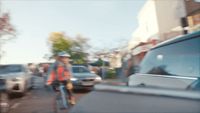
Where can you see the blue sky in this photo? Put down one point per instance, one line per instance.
(107, 23)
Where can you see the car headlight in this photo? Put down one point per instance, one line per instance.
(73, 79)
(16, 79)
(98, 78)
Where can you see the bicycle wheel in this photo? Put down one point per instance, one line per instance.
(58, 104)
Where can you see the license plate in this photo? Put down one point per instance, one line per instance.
(87, 83)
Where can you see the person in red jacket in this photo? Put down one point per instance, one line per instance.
(61, 72)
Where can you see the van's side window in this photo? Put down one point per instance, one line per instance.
(181, 59)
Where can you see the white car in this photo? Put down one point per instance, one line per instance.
(17, 78)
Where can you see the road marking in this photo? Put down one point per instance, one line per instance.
(15, 105)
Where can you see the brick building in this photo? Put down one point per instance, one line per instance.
(193, 15)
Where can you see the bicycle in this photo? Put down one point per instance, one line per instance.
(61, 101)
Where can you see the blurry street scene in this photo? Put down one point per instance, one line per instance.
(99, 56)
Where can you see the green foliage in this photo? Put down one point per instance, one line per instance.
(111, 74)
(99, 62)
(61, 45)
(79, 58)
(75, 47)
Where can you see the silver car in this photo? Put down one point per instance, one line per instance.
(17, 78)
(171, 64)
(83, 78)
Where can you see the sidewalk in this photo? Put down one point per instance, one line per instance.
(115, 82)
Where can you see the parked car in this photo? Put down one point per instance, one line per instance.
(83, 78)
(171, 64)
(18, 78)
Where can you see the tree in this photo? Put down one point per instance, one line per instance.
(60, 42)
(76, 47)
(7, 30)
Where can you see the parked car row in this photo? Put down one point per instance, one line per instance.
(17, 78)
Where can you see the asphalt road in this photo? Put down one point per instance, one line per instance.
(37, 100)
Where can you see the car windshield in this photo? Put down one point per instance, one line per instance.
(80, 70)
(182, 61)
(4, 69)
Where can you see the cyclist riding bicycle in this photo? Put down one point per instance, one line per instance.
(61, 72)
